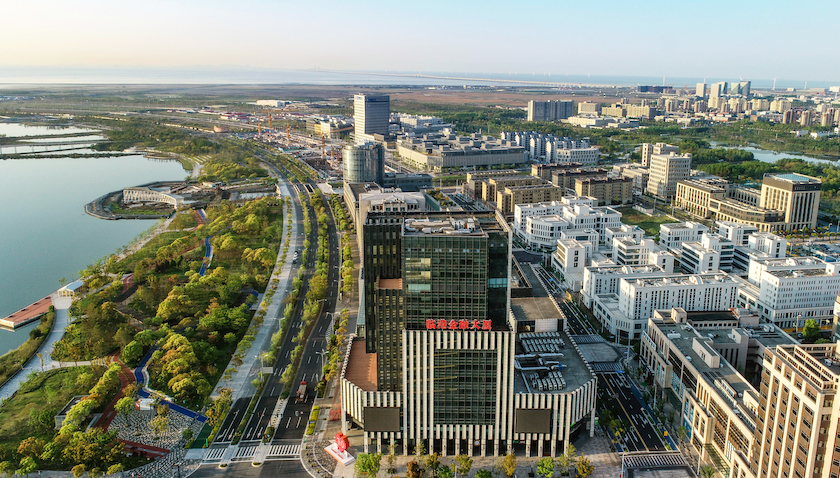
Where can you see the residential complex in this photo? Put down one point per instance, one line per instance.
(548, 148)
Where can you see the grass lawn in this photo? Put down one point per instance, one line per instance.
(48, 390)
(650, 224)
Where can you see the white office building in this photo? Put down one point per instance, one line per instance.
(789, 291)
(736, 232)
(760, 246)
(673, 235)
(641, 252)
(625, 314)
(604, 279)
(711, 253)
(535, 223)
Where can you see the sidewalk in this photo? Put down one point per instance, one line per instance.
(62, 319)
(240, 382)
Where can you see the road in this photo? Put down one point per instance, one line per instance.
(294, 420)
(269, 469)
(614, 391)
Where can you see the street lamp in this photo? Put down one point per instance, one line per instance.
(323, 354)
(798, 318)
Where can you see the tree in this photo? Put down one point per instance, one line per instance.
(811, 331)
(464, 464)
(32, 447)
(545, 467)
(125, 407)
(566, 461)
(420, 448)
(432, 464)
(584, 466)
(27, 466)
(132, 353)
(507, 465)
(444, 472)
(368, 463)
(483, 474)
(6, 468)
(78, 470)
(392, 459)
(707, 471)
(414, 470)
(159, 424)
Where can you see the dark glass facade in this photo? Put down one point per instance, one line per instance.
(451, 266)
(465, 387)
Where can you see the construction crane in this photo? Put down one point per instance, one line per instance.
(259, 127)
(269, 122)
(288, 130)
(323, 140)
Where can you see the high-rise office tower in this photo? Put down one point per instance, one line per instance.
(665, 171)
(371, 114)
(551, 110)
(718, 89)
(701, 90)
(364, 163)
(440, 362)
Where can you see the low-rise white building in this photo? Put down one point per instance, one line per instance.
(625, 314)
(570, 258)
(737, 233)
(711, 253)
(789, 291)
(672, 235)
(538, 225)
(603, 280)
(760, 245)
(641, 252)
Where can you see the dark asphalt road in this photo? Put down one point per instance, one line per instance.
(269, 469)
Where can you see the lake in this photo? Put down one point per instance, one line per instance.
(46, 234)
(772, 156)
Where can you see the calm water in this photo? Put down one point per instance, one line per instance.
(772, 156)
(44, 232)
(211, 75)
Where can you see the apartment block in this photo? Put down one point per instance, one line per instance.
(550, 110)
(649, 149)
(665, 171)
(606, 190)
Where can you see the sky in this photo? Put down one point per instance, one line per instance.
(710, 38)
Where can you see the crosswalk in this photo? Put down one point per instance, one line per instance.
(588, 339)
(654, 460)
(215, 453)
(240, 453)
(284, 451)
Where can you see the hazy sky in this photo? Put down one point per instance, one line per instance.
(702, 38)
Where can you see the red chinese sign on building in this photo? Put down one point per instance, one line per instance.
(443, 324)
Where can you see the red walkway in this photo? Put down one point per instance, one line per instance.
(126, 378)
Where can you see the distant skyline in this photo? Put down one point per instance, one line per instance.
(720, 39)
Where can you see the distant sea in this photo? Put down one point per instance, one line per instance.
(79, 75)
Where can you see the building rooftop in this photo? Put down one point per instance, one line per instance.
(361, 367)
(548, 360)
(681, 279)
(795, 178)
(449, 226)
